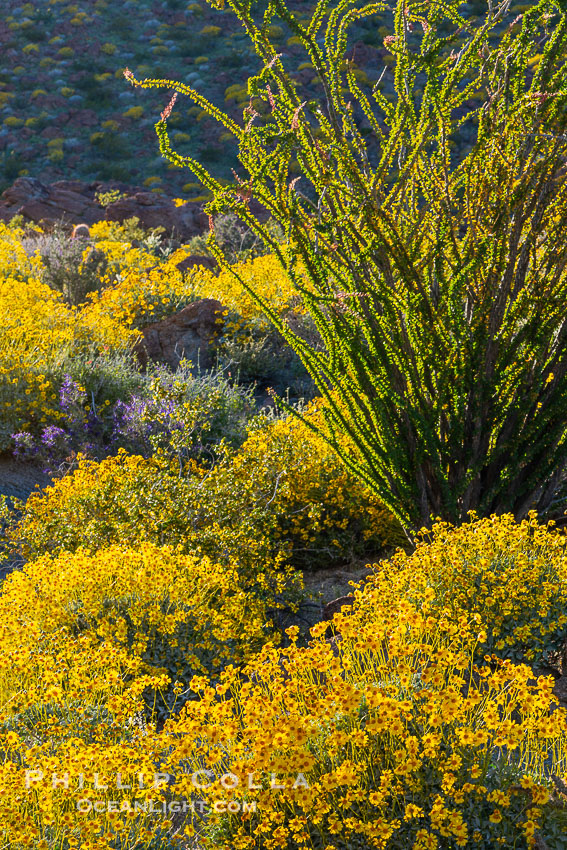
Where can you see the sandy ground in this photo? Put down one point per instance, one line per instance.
(19, 479)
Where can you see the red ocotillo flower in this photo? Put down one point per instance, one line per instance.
(167, 111)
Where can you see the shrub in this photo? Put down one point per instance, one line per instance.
(303, 500)
(255, 353)
(144, 292)
(91, 642)
(275, 32)
(234, 90)
(210, 31)
(382, 738)
(178, 615)
(184, 416)
(90, 388)
(105, 403)
(35, 329)
(56, 155)
(444, 342)
(510, 578)
(282, 493)
(240, 244)
(122, 498)
(69, 267)
(134, 112)
(104, 199)
(111, 125)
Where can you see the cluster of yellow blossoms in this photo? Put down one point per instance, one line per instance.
(512, 575)
(283, 492)
(387, 734)
(39, 331)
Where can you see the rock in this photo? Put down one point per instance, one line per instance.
(189, 333)
(23, 188)
(155, 210)
(335, 606)
(560, 690)
(66, 200)
(72, 201)
(196, 260)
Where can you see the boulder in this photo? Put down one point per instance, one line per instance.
(335, 607)
(66, 201)
(72, 201)
(155, 210)
(188, 334)
(197, 260)
(560, 690)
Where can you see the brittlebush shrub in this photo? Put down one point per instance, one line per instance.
(264, 274)
(310, 503)
(89, 645)
(35, 334)
(122, 498)
(388, 738)
(283, 493)
(173, 614)
(511, 575)
(391, 735)
(147, 288)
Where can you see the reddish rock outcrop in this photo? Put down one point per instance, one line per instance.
(335, 607)
(189, 333)
(71, 201)
(63, 201)
(66, 201)
(155, 210)
(196, 260)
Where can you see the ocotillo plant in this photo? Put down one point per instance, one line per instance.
(435, 273)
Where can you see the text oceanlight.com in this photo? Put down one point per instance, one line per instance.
(200, 779)
(166, 807)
